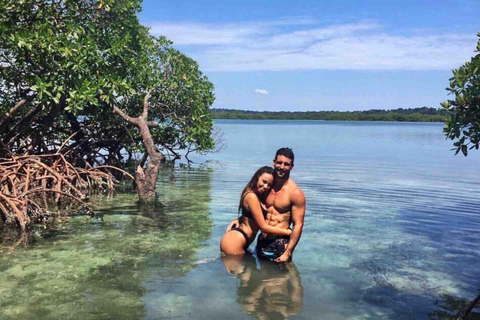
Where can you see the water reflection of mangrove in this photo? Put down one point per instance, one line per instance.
(270, 291)
(95, 268)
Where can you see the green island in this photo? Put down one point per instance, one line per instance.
(424, 114)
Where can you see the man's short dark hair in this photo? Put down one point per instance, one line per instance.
(286, 152)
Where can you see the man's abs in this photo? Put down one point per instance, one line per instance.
(276, 219)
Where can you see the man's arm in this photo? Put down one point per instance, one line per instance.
(296, 294)
(234, 224)
(298, 215)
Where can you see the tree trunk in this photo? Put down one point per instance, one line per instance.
(146, 180)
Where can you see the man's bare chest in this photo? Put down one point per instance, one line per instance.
(280, 201)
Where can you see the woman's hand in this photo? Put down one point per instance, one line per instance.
(233, 225)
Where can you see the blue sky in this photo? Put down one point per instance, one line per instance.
(322, 55)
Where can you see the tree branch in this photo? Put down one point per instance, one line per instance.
(462, 314)
(12, 110)
(145, 104)
(124, 116)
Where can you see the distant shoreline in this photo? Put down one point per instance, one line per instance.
(423, 114)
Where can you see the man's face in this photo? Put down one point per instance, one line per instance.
(282, 166)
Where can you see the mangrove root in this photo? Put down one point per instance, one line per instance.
(31, 185)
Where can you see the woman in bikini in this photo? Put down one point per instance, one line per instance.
(253, 214)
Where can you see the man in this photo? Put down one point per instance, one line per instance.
(273, 291)
(285, 205)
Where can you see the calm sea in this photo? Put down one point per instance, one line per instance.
(391, 232)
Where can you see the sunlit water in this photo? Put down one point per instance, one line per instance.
(391, 232)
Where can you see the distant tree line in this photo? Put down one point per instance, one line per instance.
(424, 114)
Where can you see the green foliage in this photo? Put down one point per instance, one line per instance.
(182, 97)
(463, 125)
(70, 60)
(59, 53)
(423, 114)
(449, 306)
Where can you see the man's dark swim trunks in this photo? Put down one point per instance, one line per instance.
(271, 248)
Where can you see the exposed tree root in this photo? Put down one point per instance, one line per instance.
(35, 187)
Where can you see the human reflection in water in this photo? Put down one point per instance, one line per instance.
(273, 291)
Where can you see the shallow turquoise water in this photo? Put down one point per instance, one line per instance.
(391, 232)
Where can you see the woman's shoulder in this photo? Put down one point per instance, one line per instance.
(250, 198)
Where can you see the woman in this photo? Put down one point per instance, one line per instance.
(253, 214)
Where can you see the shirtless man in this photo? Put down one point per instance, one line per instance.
(285, 206)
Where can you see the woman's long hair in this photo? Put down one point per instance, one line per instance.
(253, 182)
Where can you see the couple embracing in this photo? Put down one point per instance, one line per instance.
(271, 203)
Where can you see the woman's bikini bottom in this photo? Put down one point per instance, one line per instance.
(244, 235)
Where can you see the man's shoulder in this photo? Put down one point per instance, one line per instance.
(293, 187)
(295, 191)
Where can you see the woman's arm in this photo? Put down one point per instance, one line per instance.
(252, 203)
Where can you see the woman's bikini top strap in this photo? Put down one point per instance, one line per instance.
(264, 211)
(248, 214)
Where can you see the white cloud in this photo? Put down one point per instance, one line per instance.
(261, 91)
(301, 44)
(205, 34)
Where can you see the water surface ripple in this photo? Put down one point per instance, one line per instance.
(391, 232)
